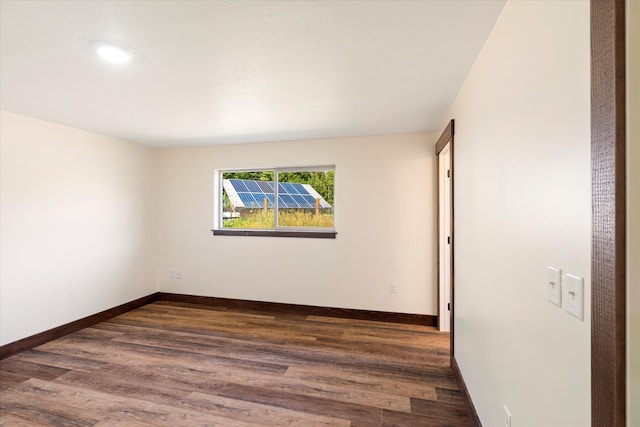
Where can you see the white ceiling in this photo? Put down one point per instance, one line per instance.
(221, 72)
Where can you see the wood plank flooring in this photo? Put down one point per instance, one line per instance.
(177, 364)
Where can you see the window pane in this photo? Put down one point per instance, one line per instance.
(247, 200)
(306, 199)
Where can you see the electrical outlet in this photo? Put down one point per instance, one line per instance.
(393, 288)
(178, 274)
(172, 274)
(507, 417)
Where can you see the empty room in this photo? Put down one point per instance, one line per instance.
(320, 213)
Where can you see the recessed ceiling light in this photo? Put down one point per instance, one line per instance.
(112, 53)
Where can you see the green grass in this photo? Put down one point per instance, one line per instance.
(297, 218)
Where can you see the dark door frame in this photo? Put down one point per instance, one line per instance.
(446, 138)
(608, 195)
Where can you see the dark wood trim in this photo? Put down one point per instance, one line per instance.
(466, 397)
(302, 310)
(608, 254)
(446, 138)
(447, 134)
(60, 331)
(277, 233)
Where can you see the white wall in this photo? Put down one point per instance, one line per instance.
(633, 212)
(76, 229)
(522, 202)
(384, 215)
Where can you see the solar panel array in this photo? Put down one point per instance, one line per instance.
(245, 193)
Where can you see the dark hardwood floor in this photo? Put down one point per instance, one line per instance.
(177, 364)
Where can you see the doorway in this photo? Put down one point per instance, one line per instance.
(444, 158)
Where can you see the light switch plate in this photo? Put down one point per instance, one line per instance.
(554, 285)
(575, 295)
(507, 417)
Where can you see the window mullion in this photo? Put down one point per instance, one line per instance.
(276, 202)
(221, 199)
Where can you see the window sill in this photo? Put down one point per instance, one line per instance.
(277, 233)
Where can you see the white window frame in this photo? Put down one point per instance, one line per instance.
(277, 230)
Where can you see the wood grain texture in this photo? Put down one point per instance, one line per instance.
(447, 135)
(57, 332)
(180, 364)
(296, 309)
(219, 304)
(608, 268)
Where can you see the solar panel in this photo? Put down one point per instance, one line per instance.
(244, 193)
(300, 189)
(259, 198)
(310, 200)
(290, 189)
(301, 201)
(288, 201)
(253, 187)
(266, 187)
(239, 185)
(248, 200)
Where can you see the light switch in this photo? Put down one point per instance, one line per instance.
(507, 417)
(554, 285)
(575, 296)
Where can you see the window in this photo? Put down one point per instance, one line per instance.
(291, 202)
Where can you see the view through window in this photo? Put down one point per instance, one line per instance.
(292, 199)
